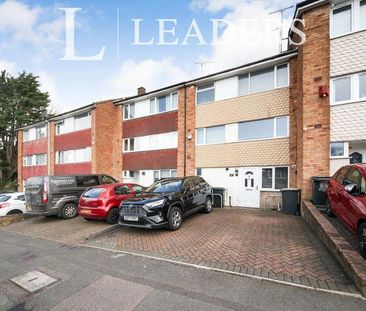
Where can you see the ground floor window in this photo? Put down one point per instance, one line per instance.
(275, 178)
(338, 149)
(164, 174)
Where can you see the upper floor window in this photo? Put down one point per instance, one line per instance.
(34, 133)
(164, 103)
(73, 156)
(151, 142)
(205, 93)
(36, 159)
(348, 17)
(129, 111)
(348, 88)
(71, 124)
(263, 129)
(264, 80)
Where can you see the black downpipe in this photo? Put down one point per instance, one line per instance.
(185, 131)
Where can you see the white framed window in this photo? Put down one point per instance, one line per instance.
(25, 135)
(82, 121)
(348, 17)
(41, 132)
(264, 80)
(339, 150)
(275, 178)
(158, 174)
(128, 174)
(129, 111)
(346, 89)
(211, 135)
(151, 142)
(35, 159)
(73, 156)
(205, 93)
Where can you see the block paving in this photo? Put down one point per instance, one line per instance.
(255, 242)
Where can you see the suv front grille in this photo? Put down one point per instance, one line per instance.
(133, 210)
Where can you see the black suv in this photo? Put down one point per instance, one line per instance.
(166, 202)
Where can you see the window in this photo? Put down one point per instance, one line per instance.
(164, 174)
(128, 174)
(355, 177)
(41, 159)
(261, 81)
(41, 132)
(281, 177)
(275, 178)
(174, 100)
(244, 85)
(205, 93)
(152, 105)
(173, 173)
(261, 129)
(282, 127)
(199, 171)
(342, 173)
(282, 75)
(27, 160)
(342, 89)
(342, 20)
(151, 142)
(215, 134)
(363, 14)
(267, 178)
(156, 175)
(82, 121)
(200, 136)
(162, 104)
(129, 111)
(74, 156)
(338, 150)
(20, 197)
(26, 135)
(362, 81)
(59, 128)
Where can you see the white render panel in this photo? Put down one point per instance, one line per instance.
(142, 108)
(347, 122)
(348, 54)
(226, 88)
(231, 132)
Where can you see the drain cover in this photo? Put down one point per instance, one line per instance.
(33, 280)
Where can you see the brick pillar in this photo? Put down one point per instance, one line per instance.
(106, 139)
(51, 155)
(20, 160)
(314, 124)
(186, 131)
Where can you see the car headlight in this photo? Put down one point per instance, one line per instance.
(155, 203)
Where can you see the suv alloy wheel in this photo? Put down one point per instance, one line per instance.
(362, 239)
(175, 218)
(69, 211)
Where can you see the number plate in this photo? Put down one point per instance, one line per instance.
(131, 218)
(86, 211)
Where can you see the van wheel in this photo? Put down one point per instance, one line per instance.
(329, 209)
(362, 239)
(113, 216)
(208, 205)
(69, 211)
(175, 218)
(14, 212)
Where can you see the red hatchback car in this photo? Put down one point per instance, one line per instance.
(102, 202)
(347, 200)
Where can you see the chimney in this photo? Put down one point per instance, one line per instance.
(141, 90)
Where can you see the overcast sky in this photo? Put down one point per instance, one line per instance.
(32, 38)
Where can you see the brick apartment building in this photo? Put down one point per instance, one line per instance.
(253, 129)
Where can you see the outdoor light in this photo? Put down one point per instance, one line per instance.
(323, 91)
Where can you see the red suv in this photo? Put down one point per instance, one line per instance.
(102, 202)
(347, 200)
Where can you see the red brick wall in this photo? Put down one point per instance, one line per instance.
(74, 140)
(106, 137)
(314, 127)
(149, 160)
(186, 167)
(30, 171)
(73, 168)
(155, 124)
(35, 146)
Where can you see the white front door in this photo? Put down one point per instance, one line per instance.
(249, 186)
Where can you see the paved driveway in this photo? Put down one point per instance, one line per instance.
(69, 231)
(262, 243)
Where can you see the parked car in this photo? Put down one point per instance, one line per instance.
(103, 202)
(12, 203)
(59, 195)
(166, 202)
(347, 200)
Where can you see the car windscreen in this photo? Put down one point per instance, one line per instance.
(34, 181)
(93, 193)
(165, 186)
(4, 198)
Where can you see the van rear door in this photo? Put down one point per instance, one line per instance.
(34, 194)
